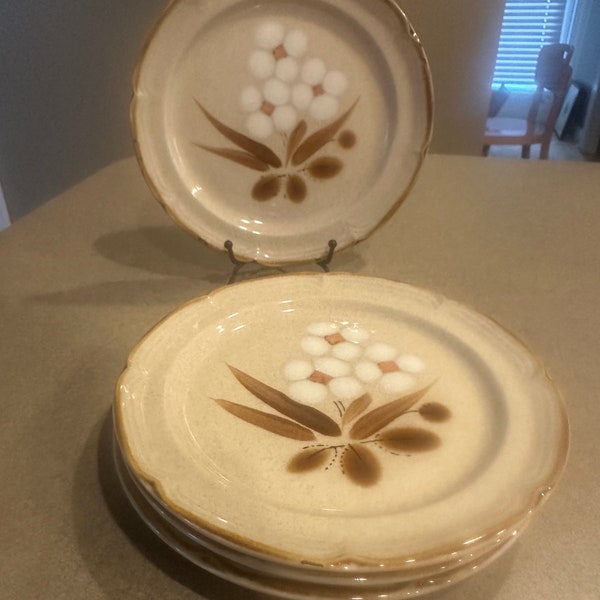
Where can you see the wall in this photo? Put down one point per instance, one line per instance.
(586, 68)
(4, 218)
(461, 40)
(65, 71)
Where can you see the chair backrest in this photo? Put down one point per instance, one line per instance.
(553, 72)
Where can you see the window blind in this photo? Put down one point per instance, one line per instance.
(526, 27)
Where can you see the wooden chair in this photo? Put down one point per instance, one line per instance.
(553, 73)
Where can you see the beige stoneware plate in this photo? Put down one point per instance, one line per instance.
(350, 587)
(341, 422)
(282, 125)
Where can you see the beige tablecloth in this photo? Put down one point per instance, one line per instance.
(86, 275)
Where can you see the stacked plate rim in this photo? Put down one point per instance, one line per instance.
(183, 448)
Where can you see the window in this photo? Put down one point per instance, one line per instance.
(527, 26)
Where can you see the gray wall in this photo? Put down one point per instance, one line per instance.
(585, 36)
(66, 65)
(65, 69)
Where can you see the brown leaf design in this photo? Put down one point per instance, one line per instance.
(238, 156)
(295, 188)
(272, 423)
(309, 459)
(266, 188)
(325, 167)
(435, 412)
(318, 139)
(356, 408)
(295, 138)
(410, 439)
(381, 416)
(347, 139)
(361, 465)
(305, 415)
(259, 150)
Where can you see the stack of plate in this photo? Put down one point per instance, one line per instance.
(336, 436)
(316, 436)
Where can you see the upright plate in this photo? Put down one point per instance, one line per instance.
(281, 125)
(341, 422)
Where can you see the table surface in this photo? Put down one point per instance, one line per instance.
(86, 275)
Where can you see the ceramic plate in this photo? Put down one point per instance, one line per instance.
(406, 577)
(282, 125)
(341, 422)
(161, 522)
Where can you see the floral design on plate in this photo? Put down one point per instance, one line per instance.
(341, 363)
(289, 87)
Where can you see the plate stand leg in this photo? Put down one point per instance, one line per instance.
(238, 264)
(326, 260)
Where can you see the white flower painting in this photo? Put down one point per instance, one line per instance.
(289, 84)
(342, 366)
(289, 90)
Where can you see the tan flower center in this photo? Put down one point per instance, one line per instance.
(280, 52)
(319, 377)
(335, 338)
(318, 90)
(267, 108)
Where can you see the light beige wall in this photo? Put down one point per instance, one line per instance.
(66, 68)
(461, 40)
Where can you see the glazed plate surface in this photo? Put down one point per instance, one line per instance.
(282, 125)
(301, 587)
(341, 422)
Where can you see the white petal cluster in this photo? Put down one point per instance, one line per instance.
(288, 84)
(342, 360)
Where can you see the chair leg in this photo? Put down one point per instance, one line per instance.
(525, 151)
(485, 150)
(544, 150)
